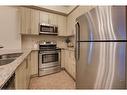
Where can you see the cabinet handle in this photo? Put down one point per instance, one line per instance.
(26, 63)
(30, 57)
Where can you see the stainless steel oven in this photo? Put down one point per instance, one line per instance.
(49, 59)
(48, 29)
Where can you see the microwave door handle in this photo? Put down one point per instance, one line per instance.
(49, 53)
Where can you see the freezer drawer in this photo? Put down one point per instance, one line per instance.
(101, 65)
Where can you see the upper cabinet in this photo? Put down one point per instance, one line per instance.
(70, 25)
(55, 19)
(48, 18)
(35, 22)
(24, 20)
(44, 17)
(29, 20)
(62, 23)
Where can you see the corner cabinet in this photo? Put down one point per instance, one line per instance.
(62, 25)
(71, 25)
(68, 62)
(20, 76)
(25, 70)
(29, 21)
(34, 63)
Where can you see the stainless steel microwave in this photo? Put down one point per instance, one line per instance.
(48, 29)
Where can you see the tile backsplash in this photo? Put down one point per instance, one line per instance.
(32, 41)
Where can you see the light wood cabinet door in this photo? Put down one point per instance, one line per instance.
(62, 58)
(25, 14)
(48, 18)
(44, 17)
(66, 60)
(53, 19)
(70, 25)
(20, 76)
(25, 20)
(62, 23)
(73, 64)
(69, 64)
(35, 18)
(34, 63)
(29, 19)
(28, 66)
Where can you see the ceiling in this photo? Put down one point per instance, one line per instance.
(60, 8)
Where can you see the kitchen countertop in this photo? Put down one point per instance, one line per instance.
(71, 49)
(6, 51)
(6, 71)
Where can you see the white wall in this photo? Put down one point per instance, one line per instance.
(9, 28)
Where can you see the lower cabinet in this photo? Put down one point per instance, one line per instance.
(62, 58)
(68, 62)
(34, 63)
(21, 76)
(27, 68)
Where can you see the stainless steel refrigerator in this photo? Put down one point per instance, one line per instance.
(101, 48)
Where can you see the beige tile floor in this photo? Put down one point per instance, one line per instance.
(56, 81)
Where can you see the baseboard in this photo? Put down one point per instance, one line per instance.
(68, 73)
(34, 75)
(62, 68)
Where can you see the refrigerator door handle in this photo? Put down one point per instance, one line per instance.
(77, 44)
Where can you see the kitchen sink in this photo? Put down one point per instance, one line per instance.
(12, 55)
(6, 61)
(8, 58)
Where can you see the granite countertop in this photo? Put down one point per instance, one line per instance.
(6, 51)
(6, 71)
(71, 49)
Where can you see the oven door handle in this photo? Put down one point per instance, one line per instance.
(48, 53)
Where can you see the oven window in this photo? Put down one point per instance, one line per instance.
(47, 58)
